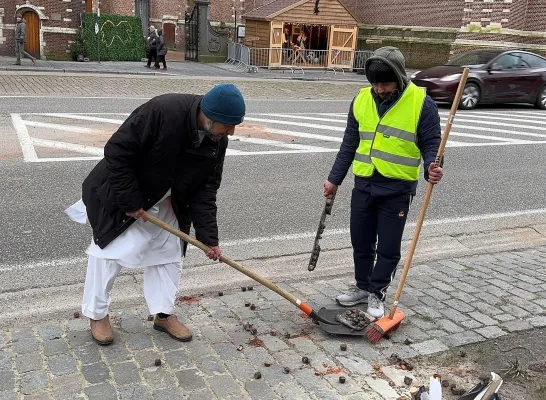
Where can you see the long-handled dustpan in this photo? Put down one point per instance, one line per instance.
(323, 322)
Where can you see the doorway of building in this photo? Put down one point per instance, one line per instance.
(169, 35)
(32, 45)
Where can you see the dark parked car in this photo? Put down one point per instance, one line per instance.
(496, 76)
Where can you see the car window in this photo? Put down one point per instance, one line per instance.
(473, 58)
(533, 61)
(509, 61)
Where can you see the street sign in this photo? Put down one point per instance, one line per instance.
(96, 28)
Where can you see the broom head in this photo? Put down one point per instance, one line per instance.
(384, 325)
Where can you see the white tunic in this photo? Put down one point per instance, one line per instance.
(143, 244)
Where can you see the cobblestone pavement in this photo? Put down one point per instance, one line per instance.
(120, 86)
(448, 303)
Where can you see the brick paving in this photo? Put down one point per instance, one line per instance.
(449, 303)
(122, 86)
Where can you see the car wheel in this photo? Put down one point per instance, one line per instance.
(471, 97)
(541, 99)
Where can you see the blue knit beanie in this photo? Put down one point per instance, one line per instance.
(224, 104)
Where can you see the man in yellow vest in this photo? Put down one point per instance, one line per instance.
(390, 127)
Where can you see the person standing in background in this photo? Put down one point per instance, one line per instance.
(20, 40)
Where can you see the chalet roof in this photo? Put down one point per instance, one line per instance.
(270, 8)
(276, 7)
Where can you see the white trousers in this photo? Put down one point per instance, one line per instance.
(160, 287)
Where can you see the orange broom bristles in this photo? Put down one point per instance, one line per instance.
(384, 325)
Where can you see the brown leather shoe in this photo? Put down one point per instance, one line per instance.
(102, 331)
(173, 327)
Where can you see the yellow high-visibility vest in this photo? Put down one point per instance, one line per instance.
(389, 144)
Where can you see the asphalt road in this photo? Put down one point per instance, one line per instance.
(270, 199)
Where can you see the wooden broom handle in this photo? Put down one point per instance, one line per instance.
(258, 278)
(428, 193)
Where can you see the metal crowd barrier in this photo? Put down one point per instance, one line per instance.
(251, 59)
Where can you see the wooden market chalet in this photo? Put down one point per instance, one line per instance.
(328, 29)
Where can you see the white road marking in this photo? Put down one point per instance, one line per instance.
(279, 238)
(29, 153)
(60, 159)
(451, 143)
(481, 128)
(59, 127)
(276, 143)
(277, 119)
(539, 114)
(302, 124)
(305, 135)
(493, 123)
(484, 119)
(302, 117)
(271, 152)
(341, 129)
(487, 137)
(96, 151)
(85, 118)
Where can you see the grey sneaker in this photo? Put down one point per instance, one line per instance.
(376, 307)
(352, 298)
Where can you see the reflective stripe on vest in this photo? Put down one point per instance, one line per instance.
(389, 144)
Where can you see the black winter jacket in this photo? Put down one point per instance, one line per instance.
(157, 148)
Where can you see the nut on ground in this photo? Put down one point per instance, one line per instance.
(157, 362)
(286, 370)
(243, 289)
(150, 317)
(247, 303)
(220, 294)
(254, 331)
(305, 360)
(252, 307)
(408, 380)
(240, 347)
(341, 379)
(76, 315)
(267, 364)
(250, 288)
(343, 347)
(273, 332)
(458, 392)
(257, 375)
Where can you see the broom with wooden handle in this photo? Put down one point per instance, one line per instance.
(392, 321)
(251, 274)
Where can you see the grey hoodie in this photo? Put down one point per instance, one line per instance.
(395, 59)
(21, 32)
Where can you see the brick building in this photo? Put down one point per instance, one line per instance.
(52, 24)
(428, 31)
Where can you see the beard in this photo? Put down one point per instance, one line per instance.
(208, 131)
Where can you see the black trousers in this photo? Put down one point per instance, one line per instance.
(162, 60)
(377, 225)
(152, 56)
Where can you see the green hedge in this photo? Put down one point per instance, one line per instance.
(121, 37)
